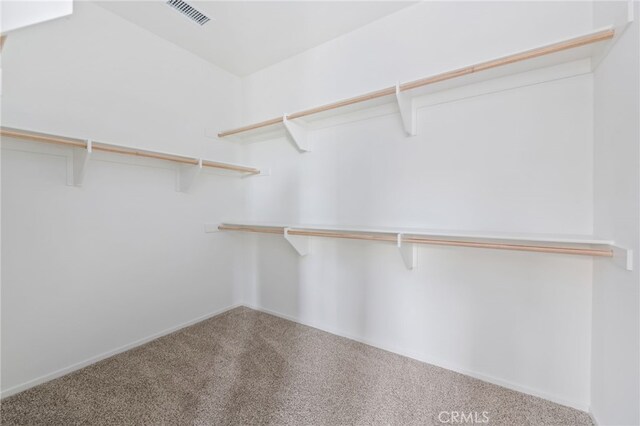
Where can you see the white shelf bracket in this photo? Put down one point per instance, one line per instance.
(408, 252)
(407, 111)
(186, 175)
(298, 133)
(623, 257)
(79, 161)
(300, 243)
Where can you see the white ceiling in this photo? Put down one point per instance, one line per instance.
(243, 37)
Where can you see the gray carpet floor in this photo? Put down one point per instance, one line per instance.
(247, 367)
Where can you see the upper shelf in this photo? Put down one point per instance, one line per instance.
(586, 46)
(84, 148)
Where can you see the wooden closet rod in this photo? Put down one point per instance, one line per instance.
(517, 247)
(483, 66)
(390, 237)
(234, 167)
(456, 243)
(98, 146)
(416, 239)
(510, 59)
(257, 229)
(39, 137)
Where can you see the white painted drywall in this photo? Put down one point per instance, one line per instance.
(87, 271)
(245, 36)
(615, 372)
(519, 160)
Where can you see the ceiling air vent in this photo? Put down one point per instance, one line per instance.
(189, 11)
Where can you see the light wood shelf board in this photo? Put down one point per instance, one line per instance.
(569, 244)
(536, 58)
(27, 135)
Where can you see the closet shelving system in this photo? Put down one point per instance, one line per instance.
(407, 240)
(568, 57)
(188, 168)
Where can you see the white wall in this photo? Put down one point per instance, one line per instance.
(519, 160)
(88, 270)
(616, 293)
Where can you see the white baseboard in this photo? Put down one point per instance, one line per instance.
(77, 366)
(593, 417)
(439, 363)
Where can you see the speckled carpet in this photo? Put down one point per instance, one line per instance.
(247, 367)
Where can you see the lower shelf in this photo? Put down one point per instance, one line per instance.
(407, 240)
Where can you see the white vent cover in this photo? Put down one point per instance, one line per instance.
(189, 11)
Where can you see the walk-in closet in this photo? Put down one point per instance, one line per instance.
(320, 212)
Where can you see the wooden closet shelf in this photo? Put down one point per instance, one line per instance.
(462, 74)
(407, 239)
(118, 149)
